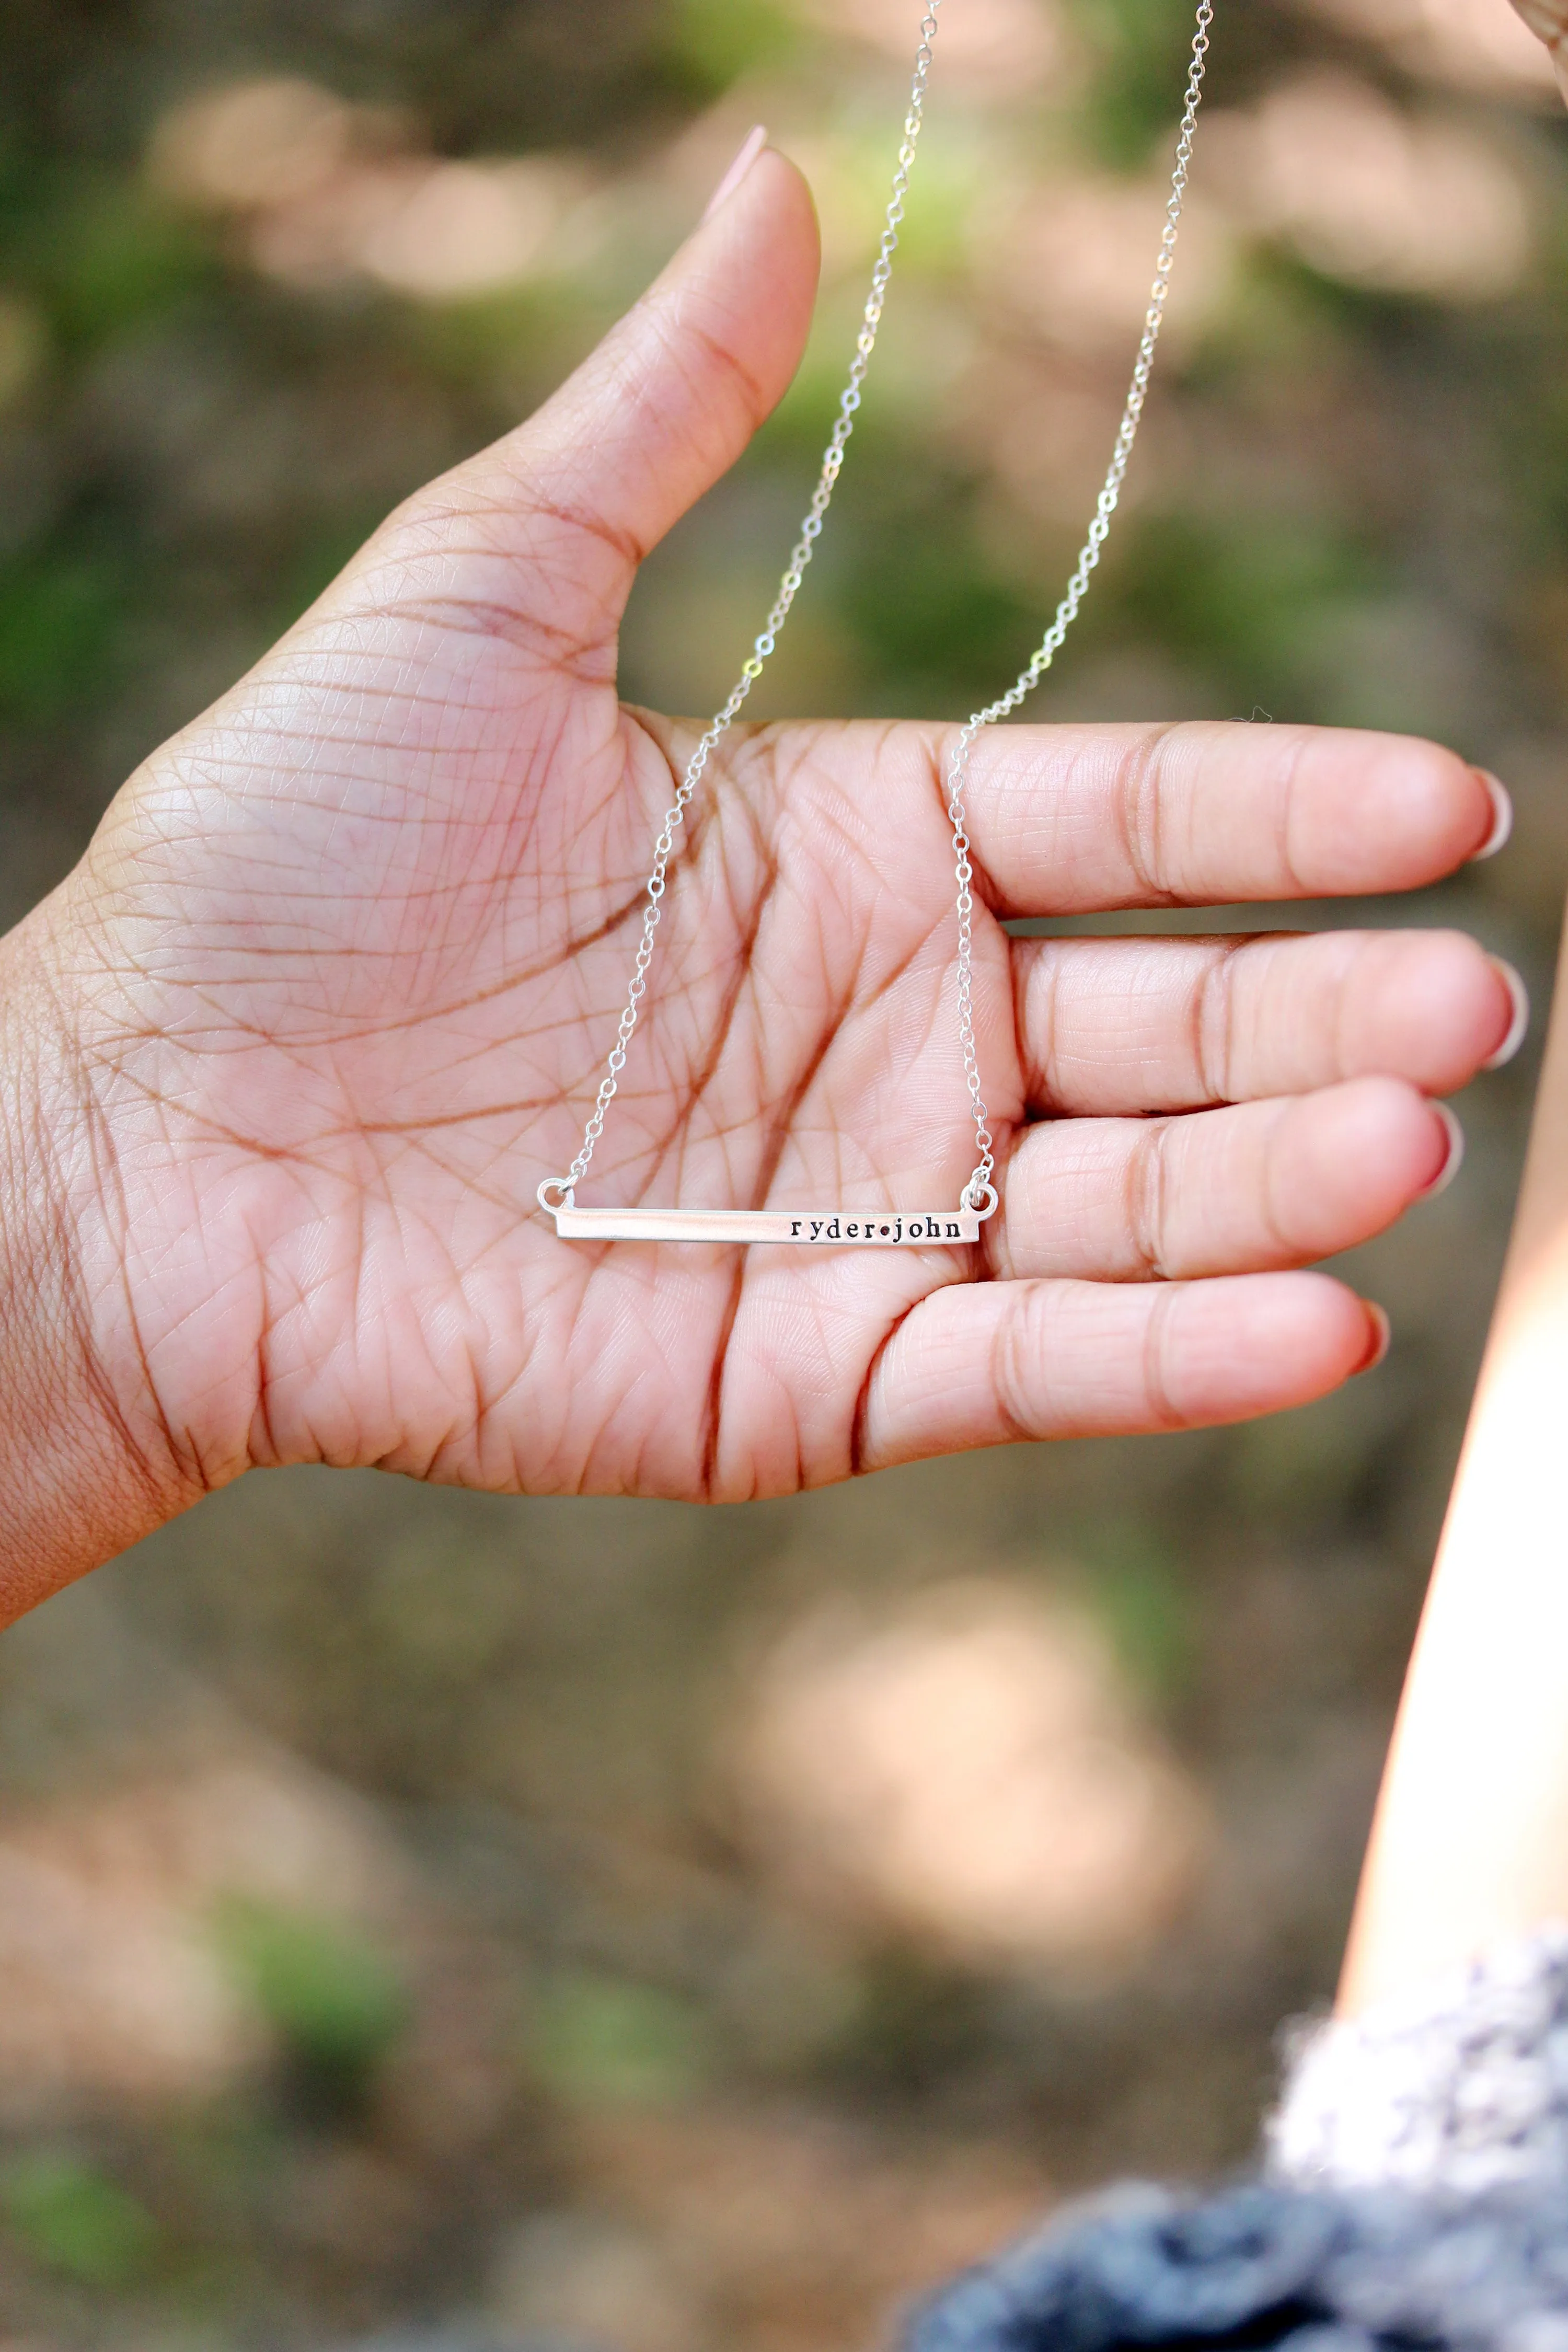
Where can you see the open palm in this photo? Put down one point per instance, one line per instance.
(330, 993)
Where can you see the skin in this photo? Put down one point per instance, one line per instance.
(1470, 1847)
(330, 993)
(1548, 19)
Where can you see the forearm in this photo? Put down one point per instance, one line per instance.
(1470, 1844)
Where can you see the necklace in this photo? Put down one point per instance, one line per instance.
(878, 1228)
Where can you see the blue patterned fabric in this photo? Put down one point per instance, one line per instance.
(1265, 2265)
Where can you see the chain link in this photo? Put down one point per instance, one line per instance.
(789, 588)
(979, 1192)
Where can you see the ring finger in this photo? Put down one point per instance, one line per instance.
(1255, 1187)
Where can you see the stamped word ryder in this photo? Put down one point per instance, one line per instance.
(827, 1228)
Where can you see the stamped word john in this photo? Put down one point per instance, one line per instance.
(818, 1228)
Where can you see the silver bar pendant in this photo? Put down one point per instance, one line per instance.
(821, 1228)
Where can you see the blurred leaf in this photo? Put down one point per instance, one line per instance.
(1233, 596)
(718, 41)
(23, 347)
(59, 613)
(1137, 1592)
(98, 253)
(73, 2220)
(934, 625)
(334, 1998)
(602, 2038)
(1138, 48)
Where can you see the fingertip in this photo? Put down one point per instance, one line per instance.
(1501, 827)
(1334, 1334)
(1379, 1338)
(747, 274)
(1264, 1343)
(1518, 1028)
(1451, 1139)
(764, 207)
(1357, 1155)
(1455, 806)
(1435, 1008)
(750, 147)
(1400, 813)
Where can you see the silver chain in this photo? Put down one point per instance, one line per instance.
(789, 588)
(978, 1192)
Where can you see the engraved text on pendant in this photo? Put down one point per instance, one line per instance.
(821, 1228)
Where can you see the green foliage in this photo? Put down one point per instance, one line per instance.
(933, 621)
(1138, 48)
(116, 259)
(72, 2219)
(716, 41)
(1233, 595)
(96, 250)
(59, 615)
(1137, 1592)
(335, 1999)
(601, 2039)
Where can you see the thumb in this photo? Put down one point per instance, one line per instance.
(550, 523)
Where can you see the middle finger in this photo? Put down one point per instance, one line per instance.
(1131, 1024)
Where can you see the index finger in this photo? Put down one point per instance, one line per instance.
(1068, 820)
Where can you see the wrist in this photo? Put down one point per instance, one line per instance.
(87, 1464)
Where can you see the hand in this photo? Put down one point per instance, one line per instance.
(330, 993)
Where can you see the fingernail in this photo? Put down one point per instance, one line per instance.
(1519, 1024)
(1455, 1160)
(750, 148)
(1502, 817)
(1379, 1340)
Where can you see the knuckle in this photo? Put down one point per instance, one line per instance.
(1215, 1012)
(1138, 808)
(1020, 1348)
(1161, 1361)
(1148, 1200)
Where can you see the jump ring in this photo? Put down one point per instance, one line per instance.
(561, 1184)
(984, 1199)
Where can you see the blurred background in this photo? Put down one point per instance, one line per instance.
(605, 1927)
